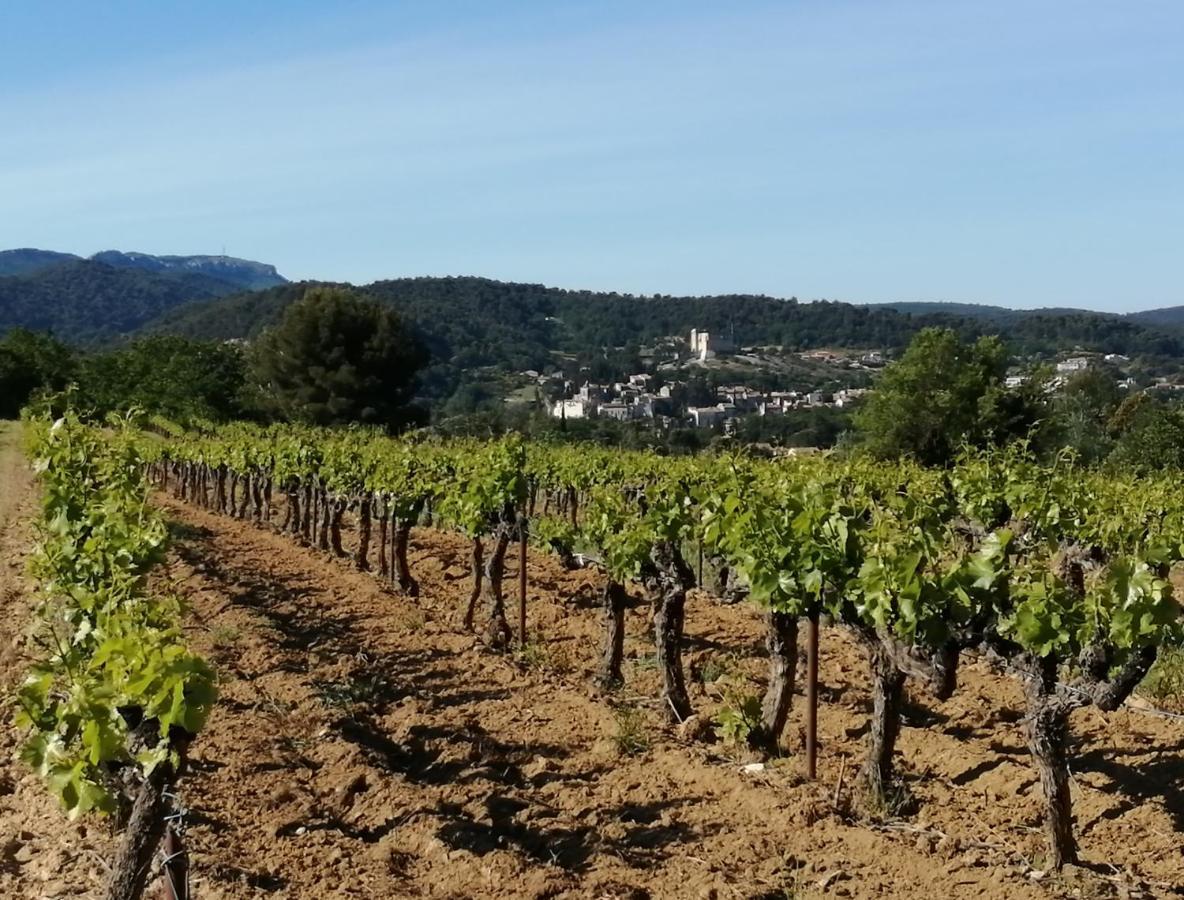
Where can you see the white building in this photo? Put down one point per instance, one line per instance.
(706, 346)
(848, 396)
(576, 408)
(1073, 364)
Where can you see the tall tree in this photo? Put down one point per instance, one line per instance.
(173, 376)
(29, 362)
(941, 394)
(336, 357)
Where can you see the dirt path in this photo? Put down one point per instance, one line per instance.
(363, 747)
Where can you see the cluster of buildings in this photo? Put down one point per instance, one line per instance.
(633, 400)
(738, 401)
(871, 359)
(624, 401)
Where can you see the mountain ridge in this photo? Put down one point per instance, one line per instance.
(243, 273)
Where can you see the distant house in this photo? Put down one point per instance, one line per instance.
(619, 411)
(1014, 381)
(707, 416)
(1073, 364)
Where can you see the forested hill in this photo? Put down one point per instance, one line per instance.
(91, 303)
(477, 321)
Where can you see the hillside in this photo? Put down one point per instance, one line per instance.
(90, 303)
(1171, 316)
(983, 311)
(477, 321)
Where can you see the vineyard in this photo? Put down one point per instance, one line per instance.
(1051, 583)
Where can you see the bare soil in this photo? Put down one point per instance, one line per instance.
(365, 746)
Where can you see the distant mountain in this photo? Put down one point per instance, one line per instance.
(26, 261)
(91, 301)
(241, 272)
(87, 302)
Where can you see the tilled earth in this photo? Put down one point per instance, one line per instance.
(365, 746)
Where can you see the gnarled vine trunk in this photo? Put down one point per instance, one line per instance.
(141, 836)
(1047, 733)
(362, 554)
(325, 510)
(884, 727)
(478, 577)
(612, 651)
(384, 567)
(781, 639)
(306, 513)
(669, 579)
(497, 629)
(257, 497)
(400, 569)
(245, 506)
(337, 514)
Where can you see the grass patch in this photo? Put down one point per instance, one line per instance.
(225, 637)
(541, 656)
(646, 661)
(630, 736)
(718, 667)
(357, 690)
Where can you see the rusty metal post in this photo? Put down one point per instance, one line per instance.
(522, 579)
(812, 696)
(175, 871)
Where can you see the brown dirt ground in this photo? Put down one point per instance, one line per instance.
(364, 747)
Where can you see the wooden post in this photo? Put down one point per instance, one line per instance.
(522, 579)
(812, 696)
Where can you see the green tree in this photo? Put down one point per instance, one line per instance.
(1152, 438)
(940, 395)
(1081, 412)
(336, 357)
(30, 362)
(172, 376)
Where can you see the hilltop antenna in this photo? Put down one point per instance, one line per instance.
(224, 251)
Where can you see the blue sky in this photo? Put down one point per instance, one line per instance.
(1021, 153)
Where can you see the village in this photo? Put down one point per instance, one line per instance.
(661, 396)
(640, 396)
